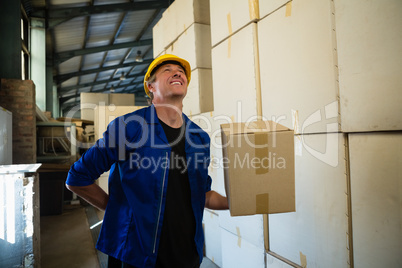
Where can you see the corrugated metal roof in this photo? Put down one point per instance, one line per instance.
(95, 41)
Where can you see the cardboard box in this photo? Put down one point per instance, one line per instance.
(228, 16)
(158, 39)
(90, 100)
(104, 114)
(121, 99)
(199, 98)
(233, 73)
(274, 262)
(210, 123)
(298, 67)
(194, 46)
(238, 252)
(259, 167)
(212, 232)
(175, 20)
(376, 190)
(319, 227)
(250, 228)
(370, 64)
(267, 7)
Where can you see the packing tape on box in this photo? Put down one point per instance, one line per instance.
(238, 236)
(296, 131)
(261, 152)
(303, 260)
(229, 19)
(288, 11)
(254, 9)
(295, 121)
(261, 203)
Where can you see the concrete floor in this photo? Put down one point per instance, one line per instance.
(66, 241)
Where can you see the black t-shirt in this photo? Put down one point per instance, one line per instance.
(177, 245)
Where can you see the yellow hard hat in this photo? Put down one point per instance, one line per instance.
(164, 58)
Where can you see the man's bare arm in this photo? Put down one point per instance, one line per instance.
(93, 194)
(213, 200)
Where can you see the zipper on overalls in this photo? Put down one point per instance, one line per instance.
(160, 204)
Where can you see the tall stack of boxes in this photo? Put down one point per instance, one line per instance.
(370, 82)
(184, 30)
(89, 101)
(235, 73)
(298, 65)
(330, 71)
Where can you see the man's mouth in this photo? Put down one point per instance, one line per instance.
(176, 83)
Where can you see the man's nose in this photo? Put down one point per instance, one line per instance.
(177, 74)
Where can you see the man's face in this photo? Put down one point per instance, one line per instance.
(170, 83)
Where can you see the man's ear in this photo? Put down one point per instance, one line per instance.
(151, 87)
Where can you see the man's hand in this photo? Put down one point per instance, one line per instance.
(213, 200)
(93, 194)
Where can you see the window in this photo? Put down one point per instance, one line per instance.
(24, 45)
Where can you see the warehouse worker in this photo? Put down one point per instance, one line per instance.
(158, 183)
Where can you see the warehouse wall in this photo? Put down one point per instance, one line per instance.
(18, 96)
(329, 70)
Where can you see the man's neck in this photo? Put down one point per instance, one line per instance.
(170, 113)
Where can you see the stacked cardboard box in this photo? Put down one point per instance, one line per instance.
(376, 176)
(90, 100)
(184, 31)
(295, 63)
(175, 21)
(327, 72)
(298, 67)
(234, 55)
(213, 246)
(370, 65)
(104, 114)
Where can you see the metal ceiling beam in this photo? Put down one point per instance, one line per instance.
(66, 55)
(64, 77)
(139, 36)
(56, 16)
(118, 29)
(66, 89)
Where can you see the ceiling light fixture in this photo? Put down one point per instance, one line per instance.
(139, 58)
(122, 77)
(112, 89)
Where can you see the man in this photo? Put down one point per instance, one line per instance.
(158, 182)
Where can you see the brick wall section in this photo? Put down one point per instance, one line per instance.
(18, 96)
